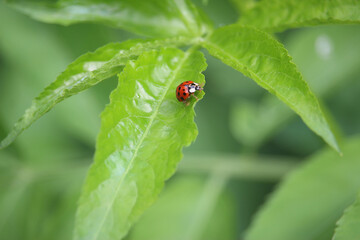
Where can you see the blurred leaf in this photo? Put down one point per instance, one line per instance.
(84, 72)
(143, 131)
(252, 123)
(326, 56)
(260, 57)
(26, 69)
(229, 88)
(343, 103)
(220, 12)
(207, 202)
(40, 200)
(244, 5)
(44, 142)
(348, 225)
(156, 18)
(279, 15)
(189, 203)
(311, 198)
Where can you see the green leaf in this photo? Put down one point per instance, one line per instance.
(348, 225)
(312, 198)
(333, 48)
(143, 130)
(244, 5)
(279, 15)
(84, 72)
(259, 56)
(27, 196)
(156, 18)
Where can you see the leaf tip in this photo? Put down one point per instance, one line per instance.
(340, 152)
(334, 145)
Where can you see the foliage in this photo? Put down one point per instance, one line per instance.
(155, 18)
(329, 48)
(280, 15)
(201, 200)
(127, 175)
(144, 129)
(273, 70)
(309, 195)
(348, 223)
(84, 72)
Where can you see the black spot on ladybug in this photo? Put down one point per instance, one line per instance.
(178, 93)
(179, 88)
(182, 98)
(184, 93)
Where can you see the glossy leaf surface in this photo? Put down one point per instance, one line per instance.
(262, 58)
(348, 225)
(143, 131)
(312, 198)
(326, 56)
(84, 72)
(279, 15)
(157, 18)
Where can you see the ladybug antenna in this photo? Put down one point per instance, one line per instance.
(199, 88)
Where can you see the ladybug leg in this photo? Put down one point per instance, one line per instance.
(186, 103)
(197, 99)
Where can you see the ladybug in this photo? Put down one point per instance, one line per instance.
(186, 89)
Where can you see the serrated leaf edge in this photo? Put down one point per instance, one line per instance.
(152, 118)
(117, 61)
(270, 89)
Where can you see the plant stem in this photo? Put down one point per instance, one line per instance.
(235, 166)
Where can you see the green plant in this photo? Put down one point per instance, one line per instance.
(144, 128)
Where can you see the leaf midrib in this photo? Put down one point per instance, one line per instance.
(247, 69)
(331, 141)
(92, 79)
(152, 118)
(185, 19)
(306, 21)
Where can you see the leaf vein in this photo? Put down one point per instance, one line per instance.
(251, 72)
(152, 118)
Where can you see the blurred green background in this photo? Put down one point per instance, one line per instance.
(240, 125)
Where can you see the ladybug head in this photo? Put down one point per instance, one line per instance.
(194, 87)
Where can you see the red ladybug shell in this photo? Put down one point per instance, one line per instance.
(182, 91)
